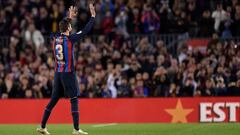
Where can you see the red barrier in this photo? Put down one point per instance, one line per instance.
(198, 42)
(201, 44)
(126, 110)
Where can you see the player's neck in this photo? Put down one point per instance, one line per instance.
(65, 33)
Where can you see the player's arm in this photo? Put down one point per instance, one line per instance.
(87, 28)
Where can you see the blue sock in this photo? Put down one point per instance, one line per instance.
(48, 111)
(75, 112)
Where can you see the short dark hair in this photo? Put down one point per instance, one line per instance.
(64, 24)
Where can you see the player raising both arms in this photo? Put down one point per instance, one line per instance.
(65, 81)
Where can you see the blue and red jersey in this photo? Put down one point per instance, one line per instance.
(63, 48)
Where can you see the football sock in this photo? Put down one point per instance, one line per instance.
(75, 112)
(48, 111)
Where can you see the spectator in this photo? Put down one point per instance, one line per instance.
(165, 16)
(124, 90)
(106, 93)
(28, 93)
(134, 21)
(226, 25)
(161, 81)
(236, 18)
(140, 90)
(107, 23)
(33, 36)
(218, 15)
(220, 86)
(206, 24)
(9, 88)
(150, 20)
(107, 5)
(173, 90)
(110, 83)
(209, 89)
(44, 21)
(189, 86)
(148, 83)
(121, 21)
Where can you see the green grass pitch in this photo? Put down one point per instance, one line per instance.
(129, 129)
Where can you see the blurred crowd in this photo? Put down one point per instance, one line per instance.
(113, 66)
(125, 70)
(196, 17)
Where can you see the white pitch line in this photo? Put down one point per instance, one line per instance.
(104, 125)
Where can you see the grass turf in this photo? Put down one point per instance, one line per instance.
(130, 129)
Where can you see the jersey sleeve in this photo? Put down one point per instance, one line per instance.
(80, 34)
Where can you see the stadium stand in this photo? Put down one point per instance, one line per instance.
(137, 48)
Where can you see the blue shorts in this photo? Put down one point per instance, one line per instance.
(65, 85)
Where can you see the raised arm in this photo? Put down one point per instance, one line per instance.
(87, 28)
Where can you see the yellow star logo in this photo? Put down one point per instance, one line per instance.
(179, 114)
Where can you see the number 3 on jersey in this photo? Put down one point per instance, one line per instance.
(59, 52)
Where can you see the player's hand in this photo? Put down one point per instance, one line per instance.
(72, 12)
(92, 10)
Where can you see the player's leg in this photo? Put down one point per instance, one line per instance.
(75, 112)
(48, 110)
(46, 115)
(56, 94)
(75, 116)
(72, 91)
